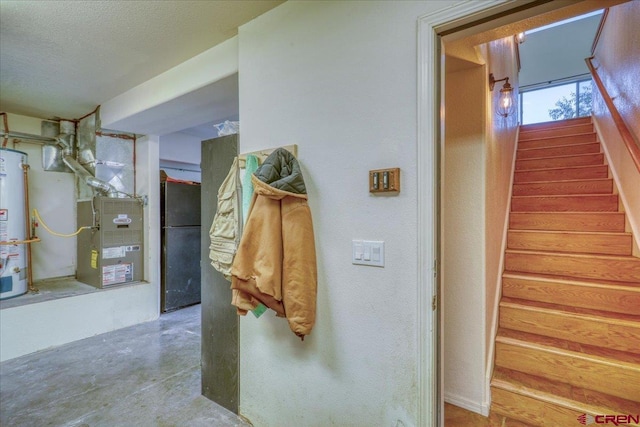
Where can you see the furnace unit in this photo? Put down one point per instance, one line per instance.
(111, 253)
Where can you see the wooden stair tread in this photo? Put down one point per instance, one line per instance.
(607, 243)
(617, 268)
(616, 297)
(565, 203)
(561, 173)
(595, 372)
(578, 167)
(573, 309)
(514, 380)
(564, 187)
(558, 151)
(591, 159)
(549, 141)
(597, 329)
(556, 181)
(575, 233)
(568, 221)
(544, 397)
(614, 355)
(573, 129)
(585, 256)
(548, 397)
(555, 123)
(571, 281)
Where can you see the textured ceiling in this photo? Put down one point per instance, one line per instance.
(64, 58)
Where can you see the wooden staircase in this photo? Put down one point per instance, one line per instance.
(568, 341)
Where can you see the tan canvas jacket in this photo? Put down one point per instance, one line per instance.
(276, 260)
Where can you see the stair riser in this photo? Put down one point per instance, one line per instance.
(620, 380)
(557, 141)
(555, 124)
(564, 150)
(595, 221)
(598, 203)
(582, 295)
(605, 244)
(586, 267)
(604, 186)
(560, 162)
(590, 172)
(564, 131)
(622, 336)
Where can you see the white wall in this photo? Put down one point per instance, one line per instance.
(478, 163)
(339, 80)
(618, 58)
(53, 194)
(180, 147)
(463, 217)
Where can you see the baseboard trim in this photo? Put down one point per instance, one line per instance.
(469, 405)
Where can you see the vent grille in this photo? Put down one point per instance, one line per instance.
(122, 237)
(114, 207)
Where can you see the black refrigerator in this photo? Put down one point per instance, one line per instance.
(180, 240)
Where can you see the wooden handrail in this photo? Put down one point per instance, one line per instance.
(627, 136)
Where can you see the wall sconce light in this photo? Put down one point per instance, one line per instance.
(506, 103)
(520, 38)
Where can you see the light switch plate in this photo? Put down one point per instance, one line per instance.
(368, 252)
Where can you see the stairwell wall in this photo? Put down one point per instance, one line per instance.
(618, 57)
(463, 225)
(501, 57)
(478, 163)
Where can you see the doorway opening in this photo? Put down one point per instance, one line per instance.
(457, 47)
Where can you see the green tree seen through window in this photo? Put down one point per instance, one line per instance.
(566, 107)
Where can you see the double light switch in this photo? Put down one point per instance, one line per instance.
(368, 252)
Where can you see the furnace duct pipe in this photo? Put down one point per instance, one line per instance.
(65, 143)
(89, 179)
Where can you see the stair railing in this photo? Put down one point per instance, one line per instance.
(627, 136)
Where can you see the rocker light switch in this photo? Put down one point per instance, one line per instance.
(368, 252)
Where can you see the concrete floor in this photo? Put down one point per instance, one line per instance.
(145, 375)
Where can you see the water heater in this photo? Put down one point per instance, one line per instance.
(13, 262)
(111, 253)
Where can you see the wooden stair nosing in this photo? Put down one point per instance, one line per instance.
(625, 269)
(614, 377)
(591, 329)
(558, 150)
(595, 295)
(571, 241)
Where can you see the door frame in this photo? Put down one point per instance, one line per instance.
(430, 146)
(429, 139)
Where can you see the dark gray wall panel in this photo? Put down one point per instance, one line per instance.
(220, 322)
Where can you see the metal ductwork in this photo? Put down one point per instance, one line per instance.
(65, 144)
(89, 179)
